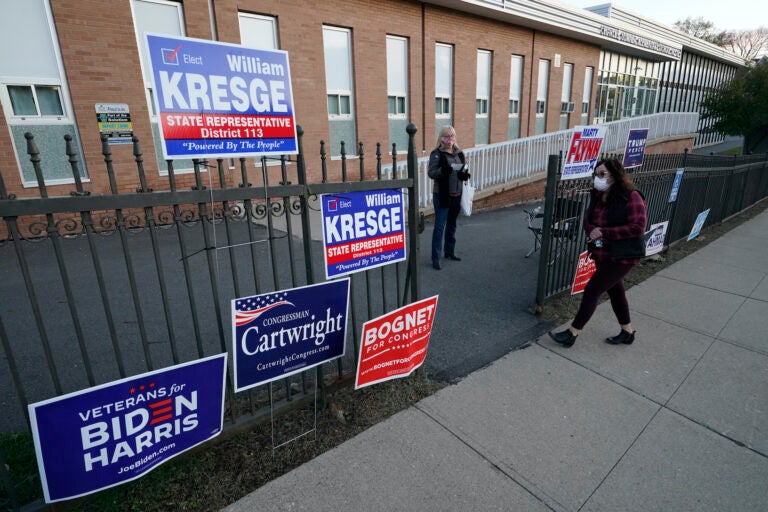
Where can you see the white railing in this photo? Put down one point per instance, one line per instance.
(503, 162)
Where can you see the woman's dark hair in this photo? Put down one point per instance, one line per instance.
(622, 183)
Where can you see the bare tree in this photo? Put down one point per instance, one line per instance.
(750, 44)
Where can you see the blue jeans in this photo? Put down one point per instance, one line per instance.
(445, 221)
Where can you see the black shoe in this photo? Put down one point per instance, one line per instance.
(566, 338)
(436, 265)
(624, 337)
(452, 257)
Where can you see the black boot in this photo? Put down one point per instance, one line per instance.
(624, 337)
(566, 338)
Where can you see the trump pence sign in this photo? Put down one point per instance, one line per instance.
(219, 100)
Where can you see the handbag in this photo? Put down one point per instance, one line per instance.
(467, 196)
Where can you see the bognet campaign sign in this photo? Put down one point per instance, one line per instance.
(395, 344)
(583, 151)
(362, 230)
(281, 333)
(585, 269)
(220, 100)
(110, 434)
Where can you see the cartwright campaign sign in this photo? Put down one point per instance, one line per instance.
(281, 333)
(110, 434)
(362, 230)
(219, 100)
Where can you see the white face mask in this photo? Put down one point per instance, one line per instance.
(601, 184)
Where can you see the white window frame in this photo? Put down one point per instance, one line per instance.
(338, 68)
(515, 84)
(483, 83)
(586, 94)
(443, 84)
(397, 77)
(65, 100)
(542, 88)
(260, 24)
(154, 119)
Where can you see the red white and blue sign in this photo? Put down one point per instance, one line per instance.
(220, 100)
(634, 151)
(395, 344)
(281, 333)
(362, 230)
(114, 433)
(583, 152)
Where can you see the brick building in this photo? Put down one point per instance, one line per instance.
(361, 71)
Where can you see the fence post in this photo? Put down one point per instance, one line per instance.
(413, 214)
(546, 235)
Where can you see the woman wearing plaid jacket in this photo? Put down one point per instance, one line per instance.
(615, 224)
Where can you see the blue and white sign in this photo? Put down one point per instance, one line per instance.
(114, 433)
(634, 150)
(281, 333)
(220, 100)
(700, 220)
(362, 230)
(676, 185)
(655, 238)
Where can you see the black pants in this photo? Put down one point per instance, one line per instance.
(608, 277)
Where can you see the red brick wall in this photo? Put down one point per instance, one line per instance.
(100, 55)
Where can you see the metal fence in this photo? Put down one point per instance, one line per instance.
(98, 287)
(505, 162)
(725, 185)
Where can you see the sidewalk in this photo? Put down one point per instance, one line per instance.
(678, 421)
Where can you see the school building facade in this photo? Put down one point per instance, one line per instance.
(361, 72)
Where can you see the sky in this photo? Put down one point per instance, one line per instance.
(725, 14)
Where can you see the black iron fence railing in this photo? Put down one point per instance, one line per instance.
(725, 185)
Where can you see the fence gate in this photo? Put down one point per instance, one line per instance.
(98, 287)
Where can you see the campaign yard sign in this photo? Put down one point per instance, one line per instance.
(698, 224)
(583, 151)
(114, 433)
(395, 344)
(584, 270)
(634, 150)
(655, 238)
(220, 100)
(362, 230)
(676, 185)
(281, 333)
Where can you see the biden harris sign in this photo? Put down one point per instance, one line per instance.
(114, 433)
(219, 100)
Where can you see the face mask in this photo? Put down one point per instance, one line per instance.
(601, 184)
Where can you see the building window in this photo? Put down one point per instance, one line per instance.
(565, 97)
(443, 80)
(515, 84)
(34, 94)
(338, 71)
(339, 87)
(397, 76)
(258, 31)
(587, 94)
(483, 84)
(159, 17)
(542, 89)
(35, 100)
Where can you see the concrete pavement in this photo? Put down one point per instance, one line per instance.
(678, 421)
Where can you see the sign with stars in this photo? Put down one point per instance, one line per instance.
(394, 345)
(280, 333)
(110, 434)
